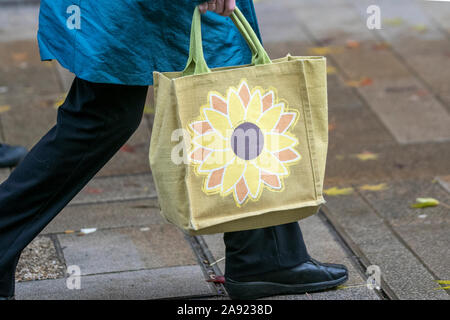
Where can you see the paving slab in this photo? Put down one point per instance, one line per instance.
(107, 215)
(18, 22)
(421, 43)
(404, 273)
(440, 13)
(323, 245)
(117, 188)
(397, 111)
(40, 261)
(125, 249)
(393, 162)
(185, 281)
(30, 90)
(424, 231)
(132, 158)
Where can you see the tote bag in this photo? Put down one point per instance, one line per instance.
(243, 147)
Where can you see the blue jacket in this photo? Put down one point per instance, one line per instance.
(124, 41)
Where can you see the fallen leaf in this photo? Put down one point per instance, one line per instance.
(331, 126)
(331, 70)
(393, 22)
(88, 230)
(363, 82)
(335, 191)
(442, 282)
(425, 202)
(366, 155)
(323, 51)
(148, 109)
(381, 46)
(128, 148)
(93, 190)
(352, 44)
(420, 28)
(342, 287)
(69, 231)
(5, 108)
(374, 187)
(19, 56)
(59, 101)
(217, 279)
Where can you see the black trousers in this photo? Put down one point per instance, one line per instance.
(92, 124)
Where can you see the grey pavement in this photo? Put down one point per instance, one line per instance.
(389, 104)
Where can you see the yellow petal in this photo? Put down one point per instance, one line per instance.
(268, 162)
(219, 122)
(252, 178)
(270, 118)
(233, 172)
(216, 160)
(275, 142)
(211, 140)
(236, 110)
(254, 108)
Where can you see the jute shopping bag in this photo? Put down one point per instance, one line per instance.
(243, 147)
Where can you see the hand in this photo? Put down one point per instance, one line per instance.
(222, 7)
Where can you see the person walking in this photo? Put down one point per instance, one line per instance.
(113, 47)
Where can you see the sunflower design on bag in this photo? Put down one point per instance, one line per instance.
(241, 143)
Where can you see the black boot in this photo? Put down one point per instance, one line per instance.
(309, 276)
(10, 156)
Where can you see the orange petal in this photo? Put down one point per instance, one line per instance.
(241, 190)
(244, 93)
(267, 101)
(215, 179)
(201, 127)
(200, 154)
(285, 121)
(287, 155)
(271, 180)
(218, 104)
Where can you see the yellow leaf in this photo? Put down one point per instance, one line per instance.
(374, 187)
(420, 28)
(69, 231)
(5, 108)
(335, 191)
(323, 51)
(442, 281)
(393, 22)
(366, 155)
(442, 288)
(148, 109)
(331, 70)
(59, 101)
(425, 202)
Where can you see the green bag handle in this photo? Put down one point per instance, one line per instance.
(196, 63)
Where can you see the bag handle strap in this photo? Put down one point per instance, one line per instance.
(196, 63)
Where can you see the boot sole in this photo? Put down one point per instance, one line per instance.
(254, 290)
